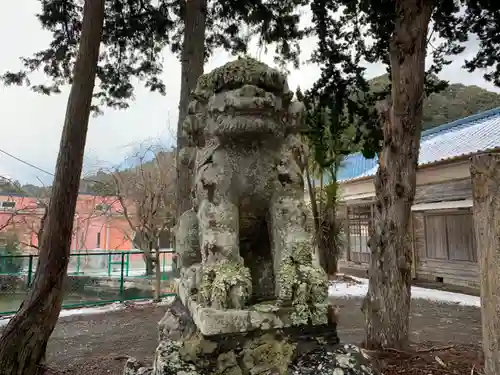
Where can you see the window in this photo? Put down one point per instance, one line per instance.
(360, 221)
(8, 204)
(450, 236)
(98, 242)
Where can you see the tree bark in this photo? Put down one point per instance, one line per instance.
(387, 303)
(485, 173)
(193, 58)
(157, 294)
(149, 262)
(24, 340)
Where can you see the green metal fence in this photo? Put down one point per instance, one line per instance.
(94, 278)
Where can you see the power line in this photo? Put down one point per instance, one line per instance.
(25, 162)
(38, 168)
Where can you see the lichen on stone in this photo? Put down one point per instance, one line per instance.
(191, 350)
(169, 362)
(308, 288)
(187, 243)
(238, 73)
(300, 315)
(265, 307)
(227, 364)
(267, 355)
(302, 251)
(226, 285)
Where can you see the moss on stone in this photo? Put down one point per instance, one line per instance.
(266, 355)
(319, 285)
(241, 72)
(302, 252)
(306, 285)
(265, 307)
(301, 314)
(227, 364)
(319, 314)
(168, 357)
(226, 285)
(287, 278)
(195, 349)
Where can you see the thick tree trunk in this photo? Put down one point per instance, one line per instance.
(387, 303)
(193, 58)
(24, 340)
(485, 172)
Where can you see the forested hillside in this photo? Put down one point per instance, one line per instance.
(455, 102)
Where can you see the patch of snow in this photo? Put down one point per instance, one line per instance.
(350, 290)
(100, 309)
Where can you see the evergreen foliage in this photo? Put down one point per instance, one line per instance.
(350, 32)
(136, 33)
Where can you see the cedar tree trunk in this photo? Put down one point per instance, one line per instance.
(485, 173)
(24, 340)
(193, 58)
(387, 303)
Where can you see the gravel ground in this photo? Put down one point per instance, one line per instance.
(98, 344)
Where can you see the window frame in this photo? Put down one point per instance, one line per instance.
(359, 216)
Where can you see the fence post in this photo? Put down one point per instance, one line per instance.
(30, 270)
(122, 277)
(128, 263)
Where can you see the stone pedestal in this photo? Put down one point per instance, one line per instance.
(264, 316)
(183, 349)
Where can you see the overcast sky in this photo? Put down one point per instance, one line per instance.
(32, 123)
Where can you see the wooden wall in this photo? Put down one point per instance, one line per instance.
(446, 191)
(444, 247)
(443, 241)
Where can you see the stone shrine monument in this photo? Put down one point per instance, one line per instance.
(252, 298)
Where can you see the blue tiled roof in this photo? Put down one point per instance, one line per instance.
(466, 136)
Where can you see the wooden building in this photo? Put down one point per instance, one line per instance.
(444, 248)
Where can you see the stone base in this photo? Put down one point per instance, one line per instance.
(183, 349)
(264, 316)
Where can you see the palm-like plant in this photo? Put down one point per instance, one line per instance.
(328, 144)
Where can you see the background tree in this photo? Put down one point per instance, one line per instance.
(24, 339)
(398, 33)
(26, 217)
(454, 102)
(146, 194)
(135, 34)
(29, 214)
(27, 222)
(327, 133)
(8, 186)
